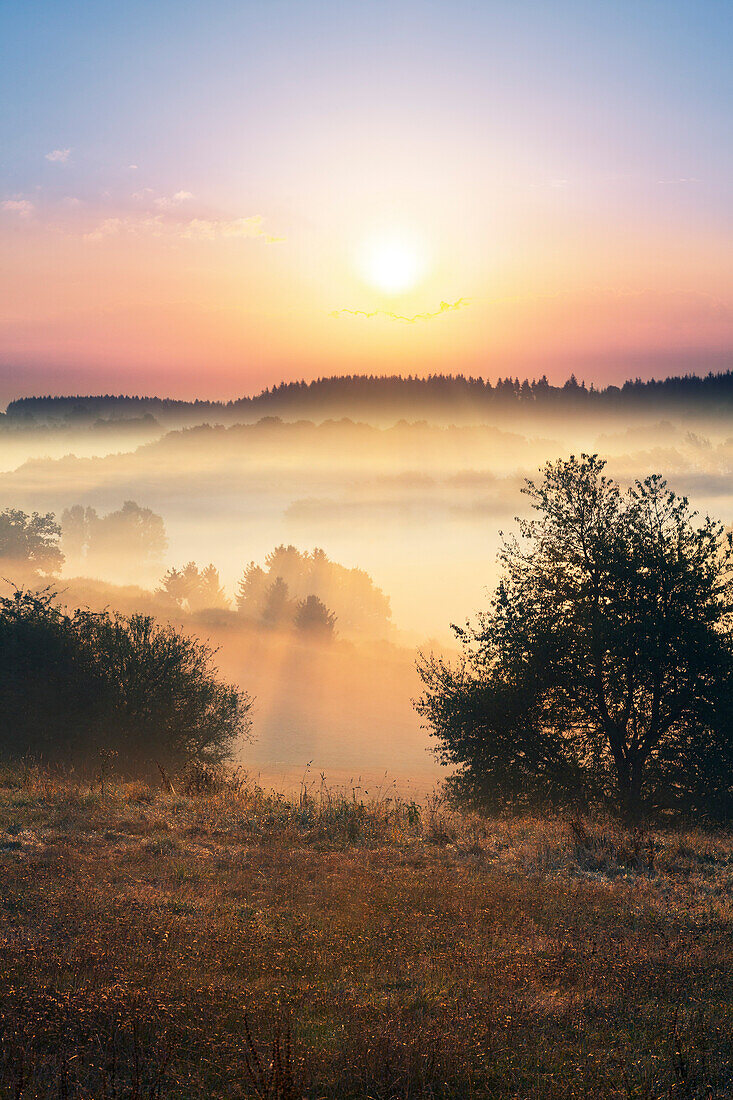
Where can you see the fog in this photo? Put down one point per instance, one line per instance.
(416, 505)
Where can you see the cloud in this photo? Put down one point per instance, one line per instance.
(204, 229)
(171, 226)
(110, 227)
(59, 156)
(445, 307)
(22, 207)
(174, 200)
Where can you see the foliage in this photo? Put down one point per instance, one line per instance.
(73, 686)
(194, 589)
(131, 537)
(348, 594)
(29, 546)
(313, 617)
(603, 667)
(278, 609)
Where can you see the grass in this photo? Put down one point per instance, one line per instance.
(231, 943)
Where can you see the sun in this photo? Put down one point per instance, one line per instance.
(392, 262)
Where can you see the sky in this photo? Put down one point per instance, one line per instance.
(203, 199)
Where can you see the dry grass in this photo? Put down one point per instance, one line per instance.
(229, 943)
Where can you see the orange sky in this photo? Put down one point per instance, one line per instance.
(206, 236)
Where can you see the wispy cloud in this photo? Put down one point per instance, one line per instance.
(110, 227)
(22, 207)
(681, 179)
(164, 201)
(59, 156)
(445, 307)
(205, 229)
(167, 223)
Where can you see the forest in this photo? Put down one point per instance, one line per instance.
(438, 396)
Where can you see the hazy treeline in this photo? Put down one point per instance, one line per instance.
(93, 542)
(397, 500)
(294, 588)
(437, 394)
(293, 584)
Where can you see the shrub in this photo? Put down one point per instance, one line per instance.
(73, 685)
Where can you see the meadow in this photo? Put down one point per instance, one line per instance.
(220, 940)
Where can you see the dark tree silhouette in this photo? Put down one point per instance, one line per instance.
(313, 617)
(363, 395)
(603, 667)
(74, 684)
(29, 546)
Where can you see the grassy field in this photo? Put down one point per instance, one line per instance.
(179, 945)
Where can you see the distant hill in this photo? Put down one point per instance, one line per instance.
(438, 396)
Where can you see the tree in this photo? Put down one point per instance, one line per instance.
(210, 594)
(77, 524)
(360, 606)
(313, 617)
(279, 609)
(74, 684)
(603, 667)
(29, 546)
(252, 590)
(194, 589)
(175, 585)
(131, 539)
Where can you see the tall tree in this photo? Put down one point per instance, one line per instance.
(603, 666)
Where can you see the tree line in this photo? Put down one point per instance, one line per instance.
(298, 588)
(304, 590)
(408, 395)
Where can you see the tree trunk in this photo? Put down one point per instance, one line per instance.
(629, 789)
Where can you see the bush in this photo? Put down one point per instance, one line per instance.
(74, 685)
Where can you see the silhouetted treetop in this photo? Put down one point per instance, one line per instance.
(194, 589)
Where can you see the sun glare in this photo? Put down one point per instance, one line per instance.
(392, 263)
